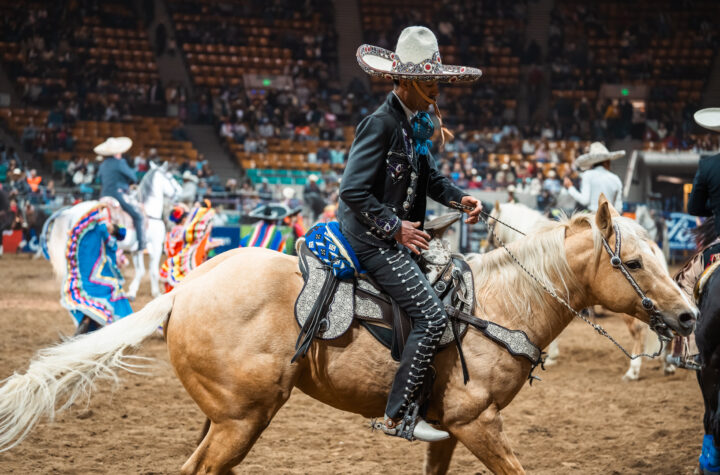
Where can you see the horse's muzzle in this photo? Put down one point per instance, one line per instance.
(682, 324)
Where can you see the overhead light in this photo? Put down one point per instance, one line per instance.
(675, 180)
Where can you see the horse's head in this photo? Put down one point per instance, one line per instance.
(165, 181)
(631, 277)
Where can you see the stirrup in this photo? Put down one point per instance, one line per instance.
(411, 427)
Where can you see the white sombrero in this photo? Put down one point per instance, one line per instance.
(113, 146)
(288, 193)
(416, 57)
(708, 118)
(598, 153)
(190, 176)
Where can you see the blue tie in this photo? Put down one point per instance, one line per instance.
(422, 129)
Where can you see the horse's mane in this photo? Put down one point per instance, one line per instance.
(518, 216)
(705, 233)
(543, 254)
(146, 185)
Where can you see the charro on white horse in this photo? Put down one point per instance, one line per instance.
(528, 220)
(156, 187)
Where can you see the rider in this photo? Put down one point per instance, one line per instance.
(116, 177)
(704, 200)
(597, 179)
(388, 176)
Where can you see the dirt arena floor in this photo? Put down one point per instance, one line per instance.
(581, 418)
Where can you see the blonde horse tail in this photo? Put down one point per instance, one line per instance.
(61, 374)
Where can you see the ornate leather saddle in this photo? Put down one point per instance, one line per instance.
(335, 304)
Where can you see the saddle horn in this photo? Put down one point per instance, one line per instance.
(437, 227)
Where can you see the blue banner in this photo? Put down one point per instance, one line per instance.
(229, 235)
(679, 236)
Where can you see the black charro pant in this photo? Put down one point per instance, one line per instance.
(137, 219)
(400, 277)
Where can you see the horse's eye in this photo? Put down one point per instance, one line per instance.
(634, 264)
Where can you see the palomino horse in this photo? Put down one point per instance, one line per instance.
(155, 188)
(528, 220)
(231, 334)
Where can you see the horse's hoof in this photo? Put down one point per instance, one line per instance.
(550, 362)
(669, 370)
(630, 376)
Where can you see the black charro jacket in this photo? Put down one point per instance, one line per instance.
(385, 182)
(705, 197)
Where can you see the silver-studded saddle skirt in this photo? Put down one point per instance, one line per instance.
(362, 299)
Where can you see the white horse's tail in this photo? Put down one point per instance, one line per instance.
(62, 373)
(47, 226)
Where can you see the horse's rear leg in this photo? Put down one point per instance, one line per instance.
(438, 456)
(139, 265)
(225, 445)
(484, 437)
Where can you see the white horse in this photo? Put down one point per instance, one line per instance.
(157, 186)
(528, 220)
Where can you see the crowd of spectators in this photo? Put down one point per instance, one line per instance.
(53, 59)
(53, 43)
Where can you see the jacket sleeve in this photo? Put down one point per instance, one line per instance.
(619, 196)
(365, 162)
(583, 196)
(127, 171)
(440, 188)
(697, 203)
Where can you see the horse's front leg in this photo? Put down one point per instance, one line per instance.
(484, 437)
(139, 265)
(438, 456)
(553, 352)
(155, 255)
(638, 331)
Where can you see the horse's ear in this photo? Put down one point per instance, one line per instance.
(603, 217)
(152, 164)
(165, 166)
(497, 206)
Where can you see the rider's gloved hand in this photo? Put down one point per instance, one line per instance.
(474, 215)
(411, 237)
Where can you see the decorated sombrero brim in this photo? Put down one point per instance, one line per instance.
(380, 62)
(113, 146)
(270, 212)
(598, 153)
(708, 118)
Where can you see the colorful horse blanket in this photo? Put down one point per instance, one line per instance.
(93, 283)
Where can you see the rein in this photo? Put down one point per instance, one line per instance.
(615, 261)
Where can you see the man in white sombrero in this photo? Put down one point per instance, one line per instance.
(116, 176)
(389, 175)
(706, 185)
(597, 179)
(704, 200)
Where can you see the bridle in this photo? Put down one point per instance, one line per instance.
(656, 323)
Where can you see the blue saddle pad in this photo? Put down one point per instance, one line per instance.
(329, 245)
